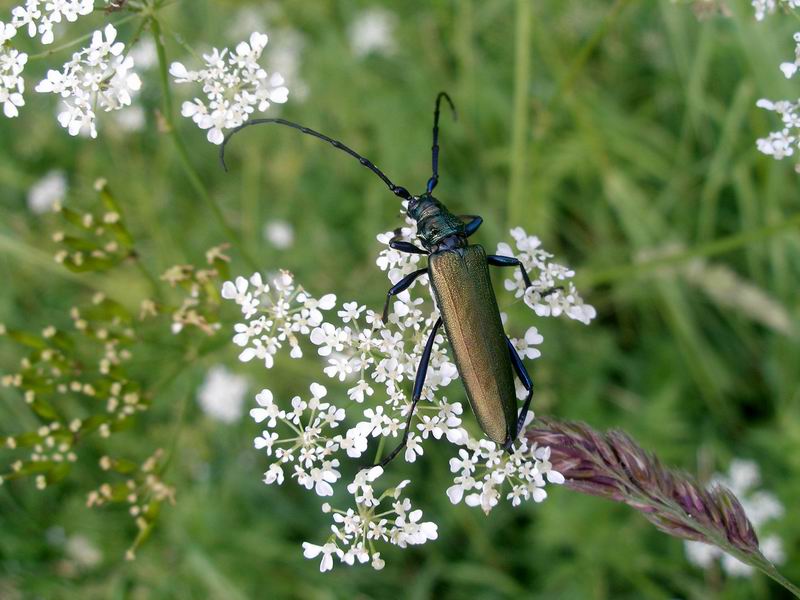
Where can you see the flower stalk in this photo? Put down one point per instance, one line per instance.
(612, 465)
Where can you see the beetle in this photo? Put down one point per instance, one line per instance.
(459, 276)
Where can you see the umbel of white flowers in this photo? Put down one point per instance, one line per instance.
(234, 84)
(783, 142)
(98, 76)
(313, 438)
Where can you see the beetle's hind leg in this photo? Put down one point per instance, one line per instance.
(522, 373)
(509, 261)
(419, 382)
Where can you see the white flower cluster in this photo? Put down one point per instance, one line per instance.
(363, 350)
(97, 76)
(482, 468)
(48, 192)
(276, 313)
(39, 16)
(306, 444)
(372, 32)
(379, 362)
(765, 7)
(551, 293)
(221, 396)
(235, 86)
(355, 532)
(790, 68)
(759, 506)
(12, 63)
(782, 143)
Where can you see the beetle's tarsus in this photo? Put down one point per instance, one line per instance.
(401, 286)
(509, 261)
(522, 373)
(552, 290)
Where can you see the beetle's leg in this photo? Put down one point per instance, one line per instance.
(509, 261)
(406, 247)
(472, 225)
(419, 382)
(552, 290)
(522, 373)
(401, 286)
(435, 147)
(397, 243)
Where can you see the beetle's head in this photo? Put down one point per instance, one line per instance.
(436, 226)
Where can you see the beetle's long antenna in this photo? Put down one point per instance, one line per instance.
(435, 148)
(395, 189)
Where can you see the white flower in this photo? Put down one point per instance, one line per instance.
(268, 409)
(327, 550)
(7, 31)
(351, 311)
(764, 7)
(130, 119)
(80, 549)
(361, 488)
(38, 16)
(12, 63)
(144, 53)
(279, 233)
(221, 396)
(47, 192)
(97, 76)
(234, 84)
(372, 31)
(526, 347)
(286, 58)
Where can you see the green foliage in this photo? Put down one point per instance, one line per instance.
(622, 133)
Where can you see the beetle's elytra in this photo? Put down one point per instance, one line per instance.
(459, 275)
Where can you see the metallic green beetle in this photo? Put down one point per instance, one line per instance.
(459, 276)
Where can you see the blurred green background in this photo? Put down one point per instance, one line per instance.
(616, 131)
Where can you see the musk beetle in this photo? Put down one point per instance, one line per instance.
(459, 275)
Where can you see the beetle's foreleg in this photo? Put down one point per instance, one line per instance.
(419, 383)
(406, 247)
(509, 261)
(472, 225)
(401, 286)
(522, 373)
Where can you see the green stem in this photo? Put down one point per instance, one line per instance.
(757, 560)
(519, 122)
(770, 571)
(379, 451)
(718, 246)
(183, 153)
